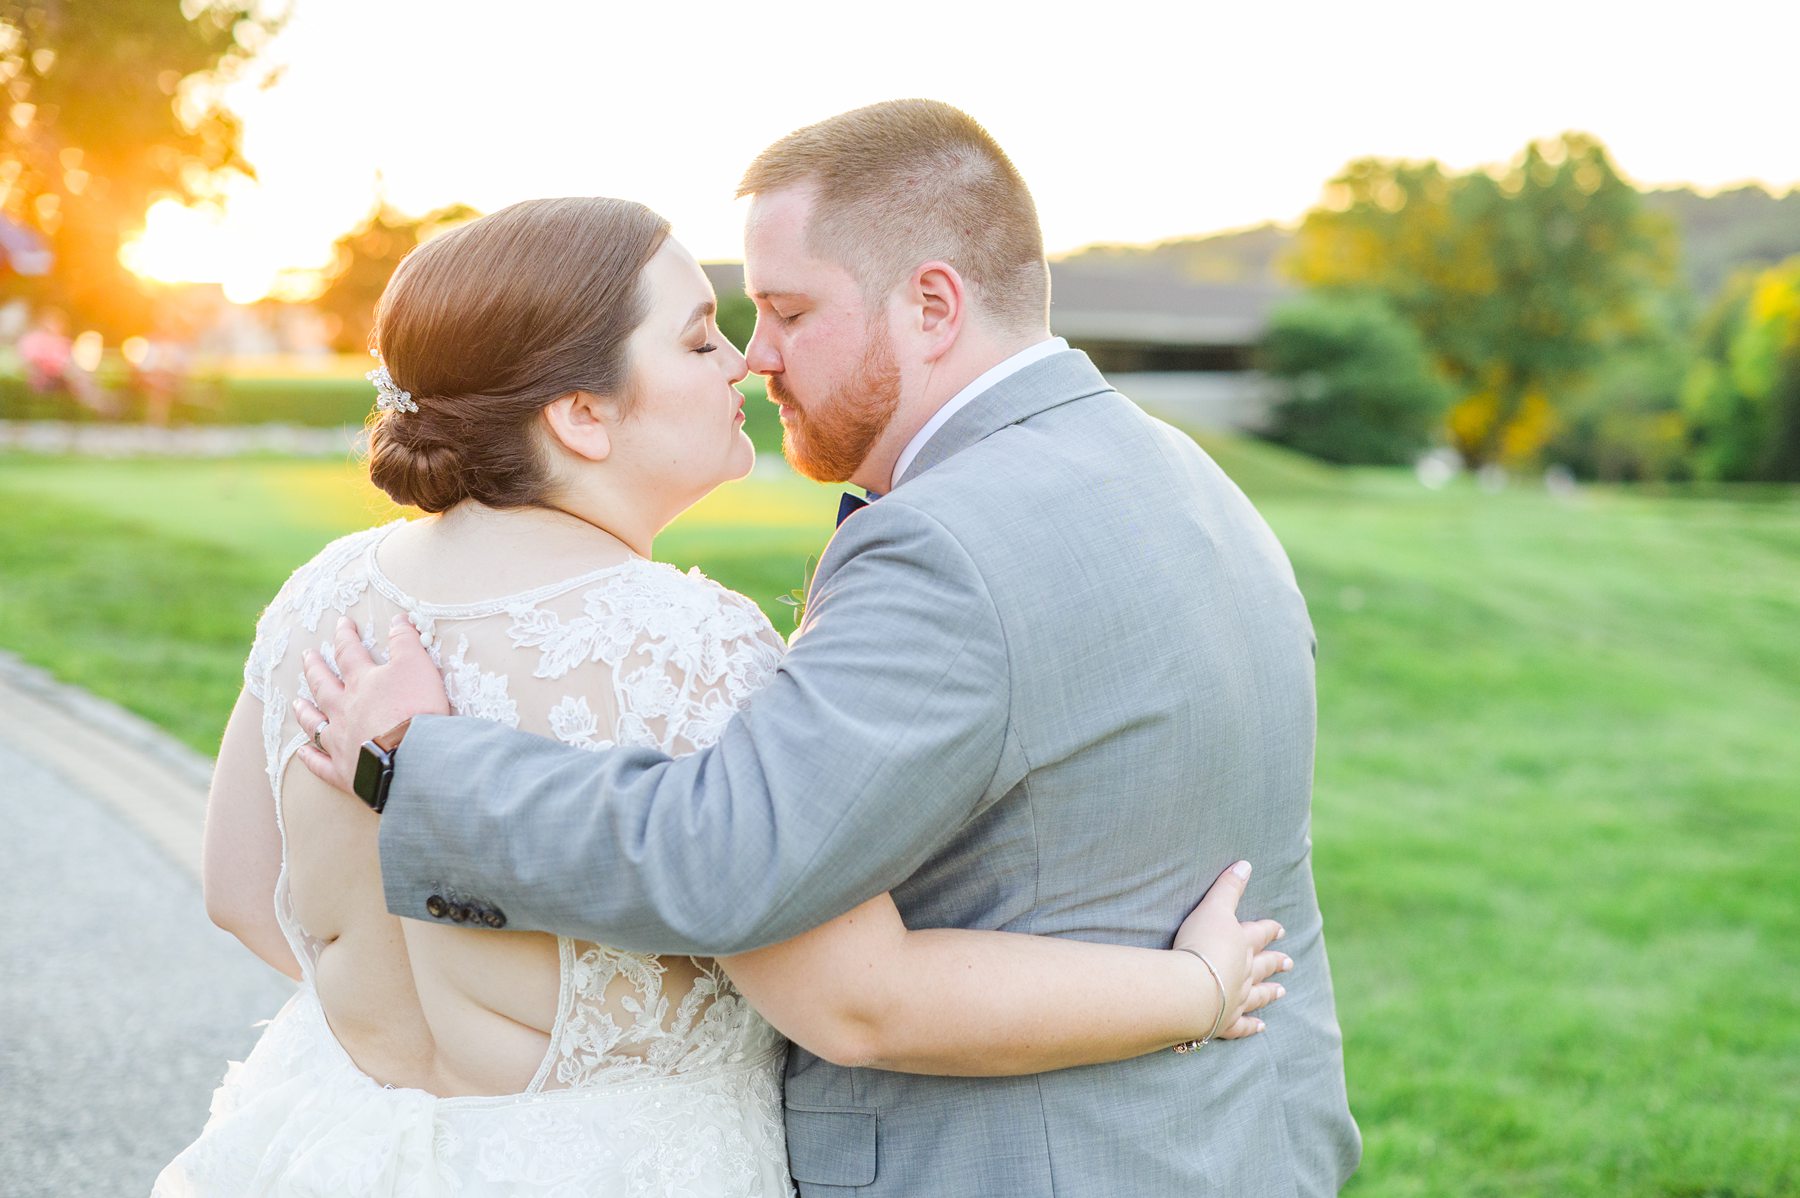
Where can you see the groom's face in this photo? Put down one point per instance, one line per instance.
(828, 356)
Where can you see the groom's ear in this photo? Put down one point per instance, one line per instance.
(581, 422)
(938, 301)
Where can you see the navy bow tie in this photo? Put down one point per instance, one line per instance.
(853, 503)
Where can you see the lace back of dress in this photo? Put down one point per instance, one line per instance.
(636, 654)
(628, 1016)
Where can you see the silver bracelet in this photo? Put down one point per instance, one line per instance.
(1191, 1045)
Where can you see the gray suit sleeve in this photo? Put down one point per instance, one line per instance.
(879, 736)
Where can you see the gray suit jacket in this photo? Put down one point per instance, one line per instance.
(1054, 682)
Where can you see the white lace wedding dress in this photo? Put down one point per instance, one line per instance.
(659, 1078)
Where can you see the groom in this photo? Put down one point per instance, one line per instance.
(1054, 680)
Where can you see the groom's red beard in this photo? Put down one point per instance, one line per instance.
(828, 439)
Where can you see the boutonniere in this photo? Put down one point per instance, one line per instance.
(796, 598)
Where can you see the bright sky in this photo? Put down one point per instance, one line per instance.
(1132, 120)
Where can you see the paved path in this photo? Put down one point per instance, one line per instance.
(119, 1001)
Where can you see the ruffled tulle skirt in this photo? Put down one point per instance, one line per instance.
(298, 1119)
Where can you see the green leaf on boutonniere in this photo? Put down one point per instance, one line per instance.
(796, 598)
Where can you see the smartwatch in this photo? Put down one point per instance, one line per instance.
(375, 767)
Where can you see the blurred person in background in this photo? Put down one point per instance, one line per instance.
(160, 363)
(51, 368)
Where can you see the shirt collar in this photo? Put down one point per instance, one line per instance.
(963, 398)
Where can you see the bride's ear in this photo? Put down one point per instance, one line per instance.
(581, 422)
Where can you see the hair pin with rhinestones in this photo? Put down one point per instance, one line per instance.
(388, 395)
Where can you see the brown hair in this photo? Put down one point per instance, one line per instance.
(907, 181)
(489, 323)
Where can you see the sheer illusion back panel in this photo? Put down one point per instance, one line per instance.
(636, 653)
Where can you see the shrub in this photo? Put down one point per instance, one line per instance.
(1355, 383)
(1624, 423)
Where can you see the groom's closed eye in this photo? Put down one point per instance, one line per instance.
(772, 302)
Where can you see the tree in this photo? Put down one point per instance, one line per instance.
(1624, 422)
(363, 260)
(1519, 281)
(1358, 384)
(1743, 393)
(113, 105)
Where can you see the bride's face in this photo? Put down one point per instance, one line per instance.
(685, 432)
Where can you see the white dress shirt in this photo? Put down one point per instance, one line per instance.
(967, 395)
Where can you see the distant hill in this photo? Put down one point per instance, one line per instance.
(1746, 226)
(1720, 233)
(1242, 256)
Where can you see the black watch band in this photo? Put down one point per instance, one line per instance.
(374, 774)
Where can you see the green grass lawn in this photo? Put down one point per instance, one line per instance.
(1557, 817)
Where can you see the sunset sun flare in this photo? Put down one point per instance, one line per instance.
(180, 244)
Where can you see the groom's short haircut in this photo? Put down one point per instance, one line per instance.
(908, 181)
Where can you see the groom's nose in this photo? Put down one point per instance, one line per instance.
(760, 354)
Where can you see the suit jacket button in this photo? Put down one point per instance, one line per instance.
(463, 913)
(436, 907)
(493, 918)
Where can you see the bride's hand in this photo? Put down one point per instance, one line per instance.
(1239, 950)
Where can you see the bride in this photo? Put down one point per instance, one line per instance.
(559, 392)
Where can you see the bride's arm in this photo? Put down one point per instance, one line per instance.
(241, 852)
(862, 990)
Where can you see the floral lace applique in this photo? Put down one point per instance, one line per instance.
(323, 585)
(265, 654)
(684, 653)
(574, 723)
(274, 716)
(474, 691)
(634, 1034)
(312, 590)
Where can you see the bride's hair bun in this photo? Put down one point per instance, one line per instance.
(410, 460)
(489, 323)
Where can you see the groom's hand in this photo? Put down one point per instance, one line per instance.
(1238, 950)
(363, 700)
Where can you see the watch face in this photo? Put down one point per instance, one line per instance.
(371, 765)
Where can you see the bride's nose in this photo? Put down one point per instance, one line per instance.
(736, 365)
